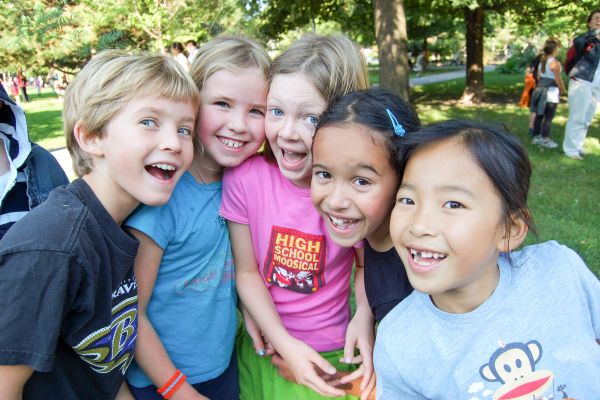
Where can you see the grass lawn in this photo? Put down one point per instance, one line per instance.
(44, 119)
(564, 192)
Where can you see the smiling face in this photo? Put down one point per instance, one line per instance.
(143, 152)
(232, 117)
(447, 225)
(293, 106)
(594, 21)
(353, 184)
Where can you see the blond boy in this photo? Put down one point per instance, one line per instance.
(67, 291)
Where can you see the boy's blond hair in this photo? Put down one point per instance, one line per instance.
(107, 83)
(230, 53)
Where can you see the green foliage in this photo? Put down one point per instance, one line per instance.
(39, 35)
(517, 62)
(276, 17)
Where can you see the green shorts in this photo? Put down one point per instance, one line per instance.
(259, 379)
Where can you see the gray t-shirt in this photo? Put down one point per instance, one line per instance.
(536, 335)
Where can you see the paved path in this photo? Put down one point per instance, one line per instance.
(63, 157)
(446, 76)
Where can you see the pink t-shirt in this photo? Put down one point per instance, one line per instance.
(307, 274)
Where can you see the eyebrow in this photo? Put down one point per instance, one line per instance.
(308, 104)
(356, 166)
(230, 100)
(443, 188)
(160, 112)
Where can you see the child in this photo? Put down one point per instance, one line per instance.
(187, 299)
(529, 86)
(292, 279)
(27, 171)
(355, 181)
(482, 319)
(67, 290)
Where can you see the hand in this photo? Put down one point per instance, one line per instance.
(353, 387)
(309, 368)
(262, 345)
(187, 392)
(282, 367)
(360, 334)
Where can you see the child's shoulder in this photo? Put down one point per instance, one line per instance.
(548, 259)
(255, 167)
(546, 253)
(50, 226)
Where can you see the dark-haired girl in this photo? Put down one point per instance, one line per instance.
(354, 183)
(483, 321)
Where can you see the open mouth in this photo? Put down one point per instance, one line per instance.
(426, 258)
(293, 157)
(231, 143)
(342, 223)
(164, 172)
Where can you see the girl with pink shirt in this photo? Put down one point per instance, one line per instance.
(292, 279)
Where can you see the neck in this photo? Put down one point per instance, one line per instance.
(119, 207)
(380, 240)
(205, 170)
(468, 298)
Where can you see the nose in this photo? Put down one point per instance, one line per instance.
(337, 199)
(423, 222)
(237, 121)
(171, 139)
(288, 130)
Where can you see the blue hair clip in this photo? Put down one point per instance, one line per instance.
(398, 129)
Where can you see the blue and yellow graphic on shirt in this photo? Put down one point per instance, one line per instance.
(112, 347)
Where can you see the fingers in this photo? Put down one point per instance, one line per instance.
(282, 367)
(257, 339)
(353, 375)
(317, 384)
(348, 350)
(269, 350)
(368, 393)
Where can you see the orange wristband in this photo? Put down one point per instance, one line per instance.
(174, 383)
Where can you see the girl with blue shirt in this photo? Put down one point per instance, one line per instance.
(483, 321)
(184, 267)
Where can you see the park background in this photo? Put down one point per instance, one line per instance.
(48, 38)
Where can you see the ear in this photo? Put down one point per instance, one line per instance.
(515, 234)
(88, 142)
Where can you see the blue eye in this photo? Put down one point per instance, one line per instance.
(406, 201)
(222, 104)
(184, 131)
(453, 204)
(150, 123)
(276, 112)
(311, 119)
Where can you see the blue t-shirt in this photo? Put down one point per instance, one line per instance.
(192, 307)
(535, 336)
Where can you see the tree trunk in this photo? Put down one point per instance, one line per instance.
(390, 30)
(474, 20)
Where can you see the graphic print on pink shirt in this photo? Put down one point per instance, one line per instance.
(295, 260)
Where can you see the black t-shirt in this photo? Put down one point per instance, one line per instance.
(386, 282)
(68, 297)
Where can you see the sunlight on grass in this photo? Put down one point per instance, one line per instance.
(44, 120)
